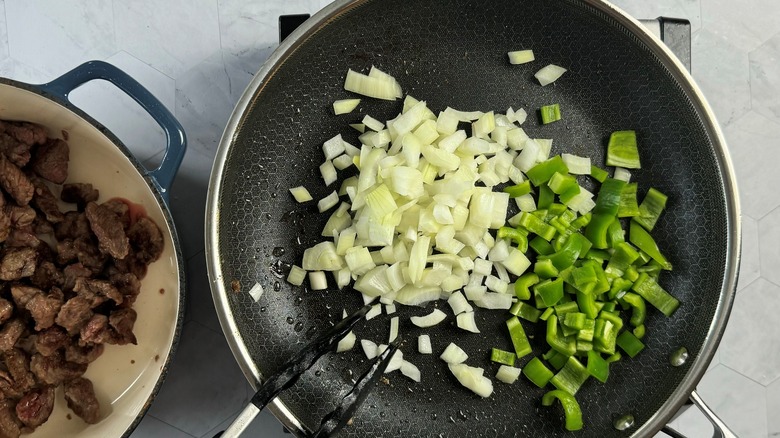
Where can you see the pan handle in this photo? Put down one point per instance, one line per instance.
(176, 141)
(720, 430)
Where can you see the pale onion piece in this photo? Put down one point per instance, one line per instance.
(460, 215)
(379, 88)
(481, 208)
(388, 257)
(426, 132)
(380, 202)
(344, 106)
(342, 162)
(528, 156)
(424, 344)
(475, 293)
(465, 116)
(328, 172)
(395, 362)
(507, 374)
(333, 147)
(359, 260)
(622, 174)
(516, 262)
(367, 299)
(442, 214)
(452, 283)
(453, 354)
(466, 322)
(346, 343)
(409, 102)
(256, 291)
(318, 280)
(301, 194)
(406, 181)
(474, 146)
(409, 120)
(494, 300)
(296, 275)
(395, 276)
(451, 142)
(390, 309)
(387, 299)
(418, 257)
(490, 178)
(481, 249)
(429, 320)
(577, 165)
(411, 371)
(549, 74)
(472, 378)
(376, 257)
(516, 138)
(346, 240)
(372, 123)
(344, 313)
(483, 267)
(374, 283)
(328, 202)
(503, 162)
(459, 304)
(499, 252)
(359, 127)
(377, 73)
(502, 121)
(445, 161)
(369, 348)
(545, 146)
(496, 284)
(322, 257)
(526, 203)
(514, 221)
(410, 295)
(501, 271)
(484, 125)
(349, 182)
(343, 277)
(520, 56)
(583, 202)
(350, 150)
(393, 329)
(500, 207)
(380, 348)
(520, 116)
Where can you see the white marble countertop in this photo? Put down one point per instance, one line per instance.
(197, 56)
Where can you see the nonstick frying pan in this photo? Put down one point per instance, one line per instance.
(453, 53)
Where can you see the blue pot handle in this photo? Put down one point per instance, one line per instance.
(176, 141)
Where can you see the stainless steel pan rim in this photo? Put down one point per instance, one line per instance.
(683, 77)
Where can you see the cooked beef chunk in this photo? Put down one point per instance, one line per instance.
(109, 230)
(10, 333)
(18, 263)
(6, 310)
(47, 275)
(96, 331)
(22, 238)
(130, 265)
(72, 273)
(50, 161)
(36, 406)
(8, 388)
(54, 370)
(45, 201)
(86, 354)
(128, 285)
(18, 365)
(96, 291)
(122, 321)
(67, 251)
(73, 226)
(21, 217)
(22, 294)
(50, 340)
(79, 194)
(16, 151)
(42, 226)
(15, 182)
(5, 224)
(90, 255)
(10, 426)
(74, 314)
(81, 399)
(25, 132)
(44, 309)
(146, 240)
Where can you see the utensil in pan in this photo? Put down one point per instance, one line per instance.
(304, 360)
(452, 53)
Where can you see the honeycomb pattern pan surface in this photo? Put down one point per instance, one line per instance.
(453, 53)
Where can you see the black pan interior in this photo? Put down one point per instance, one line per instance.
(453, 53)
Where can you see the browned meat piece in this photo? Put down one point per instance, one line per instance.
(8, 388)
(96, 331)
(54, 370)
(74, 314)
(45, 201)
(74, 225)
(25, 132)
(121, 209)
(42, 226)
(18, 365)
(109, 230)
(47, 275)
(123, 320)
(44, 309)
(21, 217)
(36, 406)
(16, 151)
(81, 399)
(97, 291)
(10, 426)
(67, 251)
(72, 273)
(130, 265)
(50, 340)
(18, 263)
(22, 294)
(15, 182)
(146, 240)
(22, 238)
(6, 310)
(90, 255)
(50, 161)
(86, 354)
(79, 194)
(10, 333)
(128, 285)
(5, 224)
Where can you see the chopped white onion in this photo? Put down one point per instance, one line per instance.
(459, 304)
(466, 322)
(328, 172)
(507, 374)
(346, 343)
(549, 74)
(376, 87)
(429, 320)
(256, 291)
(344, 106)
(577, 165)
(301, 194)
(393, 329)
(296, 275)
(474, 293)
(491, 300)
(395, 362)
(472, 378)
(622, 174)
(372, 123)
(424, 344)
(317, 280)
(333, 147)
(411, 371)
(496, 284)
(328, 202)
(375, 311)
(521, 56)
(453, 354)
(390, 309)
(369, 348)
(342, 162)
